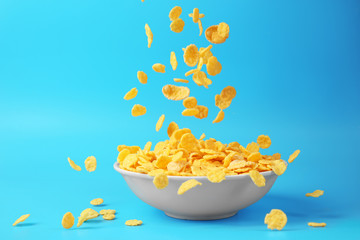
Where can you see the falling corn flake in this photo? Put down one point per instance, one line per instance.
(160, 122)
(213, 66)
(189, 184)
(278, 166)
(254, 157)
(191, 55)
(201, 29)
(68, 220)
(107, 211)
(142, 77)
(161, 181)
(222, 103)
(190, 102)
(257, 178)
(218, 33)
(177, 25)
(195, 15)
(220, 116)
(293, 156)
(172, 128)
(192, 71)
(276, 219)
(158, 67)
(316, 193)
(202, 136)
(253, 147)
(189, 112)
(138, 110)
(21, 219)
(223, 30)
(173, 61)
(133, 222)
(149, 35)
(175, 93)
(90, 164)
(315, 224)
(175, 13)
(228, 93)
(109, 216)
(131, 94)
(96, 201)
(203, 112)
(264, 141)
(122, 155)
(73, 165)
(181, 80)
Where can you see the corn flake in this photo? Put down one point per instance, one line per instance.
(172, 128)
(149, 35)
(254, 157)
(189, 112)
(316, 193)
(68, 220)
(223, 30)
(257, 178)
(221, 103)
(90, 164)
(133, 222)
(96, 201)
(142, 77)
(87, 214)
(201, 29)
(173, 61)
(107, 211)
(161, 181)
(131, 94)
(213, 66)
(276, 219)
(203, 112)
(220, 116)
(73, 165)
(175, 93)
(175, 13)
(293, 156)
(278, 166)
(181, 80)
(21, 219)
(109, 216)
(216, 176)
(314, 224)
(160, 122)
(185, 186)
(190, 102)
(228, 93)
(138, 110)
(158, 67)
(191, 55)
(264, 141)
(177, 25)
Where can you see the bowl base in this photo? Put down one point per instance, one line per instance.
(201, 218)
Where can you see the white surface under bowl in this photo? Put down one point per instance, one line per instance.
(206, 202)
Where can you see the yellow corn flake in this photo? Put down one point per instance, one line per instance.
(133, 222)
(109, 216)
(90, 164)
(223, 30)
(175, 93)
(149, 35)
(131, 94)
(162, 161)
(264, 141)
(213, 36)
(177, 25)
(201, 29)
(257, 178)
(173, 61)
(191, 55)
(192, 71)
(202, 136)
(107, 211)
(138, 110)
(276, 156)
(228, 93)
(203, 112)
(176, 166)
(189, 112)
(200, 64)
(181, 80)
(195, 15)
(216, 176)
(189, 184)
(155, 172)
(158, 67)
(68, 220)
(201, 79)
(254, 157)
(96, 201)
(220, 116)
(122, 154)
(201, 15)
(73, 165)
(278, 166)
(21, 219)
(293, 156)
(315, 224)
(316, 193)
(172, 128)
(130, 160)
(189, 142)
(190, 102)
(205, 53)
(253, 147)
(142, 77)
(160, 122)
(161, 181)
(213, 66)
(87, 214)
(222, 103)
(276, 219)
(175, 13)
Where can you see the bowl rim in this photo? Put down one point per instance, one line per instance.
(228, 177)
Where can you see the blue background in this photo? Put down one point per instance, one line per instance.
(66, 65)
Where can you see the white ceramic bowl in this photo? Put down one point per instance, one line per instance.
(206, 202)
